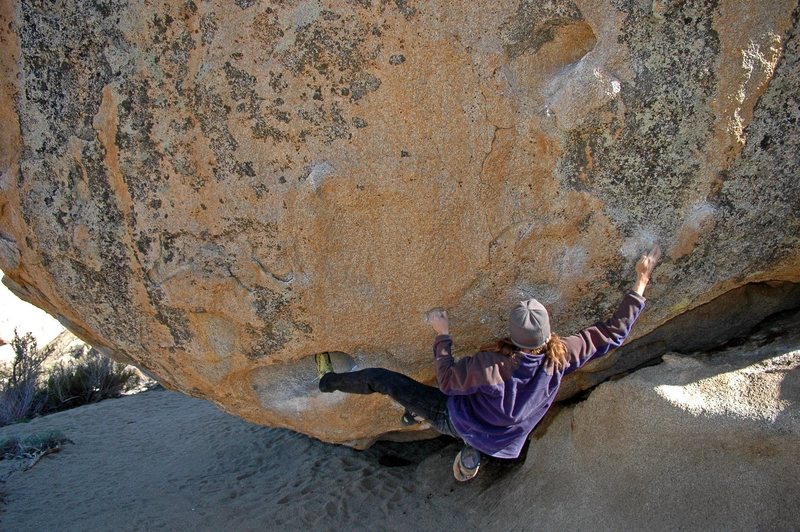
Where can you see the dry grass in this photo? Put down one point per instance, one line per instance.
(28, 388)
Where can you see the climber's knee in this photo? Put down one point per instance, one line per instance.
(379, 380)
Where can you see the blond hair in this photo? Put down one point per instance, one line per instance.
(555, 350)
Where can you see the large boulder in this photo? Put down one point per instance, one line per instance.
(218, 191)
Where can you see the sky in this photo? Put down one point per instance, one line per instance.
(26, 318)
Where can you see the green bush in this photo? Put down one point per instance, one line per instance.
(90, 379)
(21, 396)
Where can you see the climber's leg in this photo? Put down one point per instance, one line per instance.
(418, 398)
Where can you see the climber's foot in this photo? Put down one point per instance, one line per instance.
(324, 366)
(325, 384)
(466, 464)
(409, 419)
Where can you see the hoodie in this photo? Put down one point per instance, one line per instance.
(494, 400)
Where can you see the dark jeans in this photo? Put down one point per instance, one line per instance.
(422, 400)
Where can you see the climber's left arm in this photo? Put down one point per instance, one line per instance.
(468, 374)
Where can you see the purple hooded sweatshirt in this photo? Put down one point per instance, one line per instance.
(496, 400)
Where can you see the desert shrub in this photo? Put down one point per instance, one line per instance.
(15, 447)
(21, 396)
(90, 379)
(27, 389)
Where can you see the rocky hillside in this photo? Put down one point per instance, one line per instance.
(218, 191)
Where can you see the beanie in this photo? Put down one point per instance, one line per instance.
(529, 324)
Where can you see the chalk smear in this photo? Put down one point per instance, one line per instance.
(635, 245)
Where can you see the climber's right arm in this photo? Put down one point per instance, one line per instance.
(599, 339)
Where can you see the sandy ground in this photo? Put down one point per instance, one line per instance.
(161, 460)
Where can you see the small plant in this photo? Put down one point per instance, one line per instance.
(14, 447)
(33, 448)
(21, 396)
(91, 379)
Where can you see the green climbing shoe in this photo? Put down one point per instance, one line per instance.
(323, 361)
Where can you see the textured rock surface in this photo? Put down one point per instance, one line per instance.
(217, 191)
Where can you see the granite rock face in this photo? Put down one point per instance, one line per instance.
(217, 191)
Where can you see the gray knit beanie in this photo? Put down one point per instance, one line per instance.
(529, 324)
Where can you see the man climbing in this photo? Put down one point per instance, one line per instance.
(493, 399)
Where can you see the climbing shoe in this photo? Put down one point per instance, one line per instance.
(409, 419)
(466, 464)
(323, 361)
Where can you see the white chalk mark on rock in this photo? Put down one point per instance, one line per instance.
(544, 293)
(700, 214)
(572, 261)
(610, 86)
(758, 66)
(637, 244)
(318, 173)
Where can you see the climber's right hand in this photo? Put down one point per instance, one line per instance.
(644, 268)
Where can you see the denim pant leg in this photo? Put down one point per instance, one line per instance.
(420, 399)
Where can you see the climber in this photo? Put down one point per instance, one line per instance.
(493, 399)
